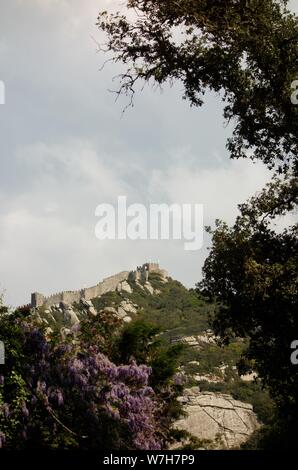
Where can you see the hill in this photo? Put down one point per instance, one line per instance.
(222, 408)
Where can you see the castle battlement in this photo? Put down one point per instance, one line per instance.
(107, 285)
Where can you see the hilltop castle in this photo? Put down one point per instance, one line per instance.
(107, 285)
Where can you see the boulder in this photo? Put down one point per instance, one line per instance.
(190, 340)
(121, 313)
(127, 319)
(149, 287)
(92, 311)
(128, 306)
(211, 378)
(199, 340)
(125, 287)
(65, 332)
(71, 317)
(195, 363)
(110, 310)
(217, 417)
(249, 377)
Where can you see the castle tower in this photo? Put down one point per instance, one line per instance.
(37, 300)
(151, 267)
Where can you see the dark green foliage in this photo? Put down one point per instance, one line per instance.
(177, 312)
(278, 434)
(137, 341)
(164, 365)
(110, 299)
(248, 51)
(252, 273)
(140, 341)
(249, 392)
(69, 395)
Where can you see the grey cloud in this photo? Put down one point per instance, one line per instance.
(65, 148)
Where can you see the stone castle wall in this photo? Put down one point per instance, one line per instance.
(107, 285)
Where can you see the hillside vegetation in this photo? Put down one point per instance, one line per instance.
(123, 359)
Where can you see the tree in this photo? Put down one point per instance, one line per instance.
(140, 341)
(251, 272)
(245, 49)
(70, 395)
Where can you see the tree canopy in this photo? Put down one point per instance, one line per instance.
(247, 50)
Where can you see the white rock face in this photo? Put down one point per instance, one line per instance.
(110, 310)
(199, 341)
(121, 313)
(190, 340)
(127, 319)
(249, 377)
(149, 287)
(125, 309)
(71, 317)
(125, 287)
(217, 417)
(211, 378)
(128, 306)
(92, 311)
(195, 363)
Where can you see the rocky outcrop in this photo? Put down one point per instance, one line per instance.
(124, 287)
(217, 417)
(249, 377)
(197, 341)
(128, 306)
(70, 316)
(117, 282)
(67, 316)
(149, 287)
(126, 310)
(210, 378)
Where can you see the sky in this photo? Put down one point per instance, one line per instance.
(67, 147)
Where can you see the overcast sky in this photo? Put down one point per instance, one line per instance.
(65, 148)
